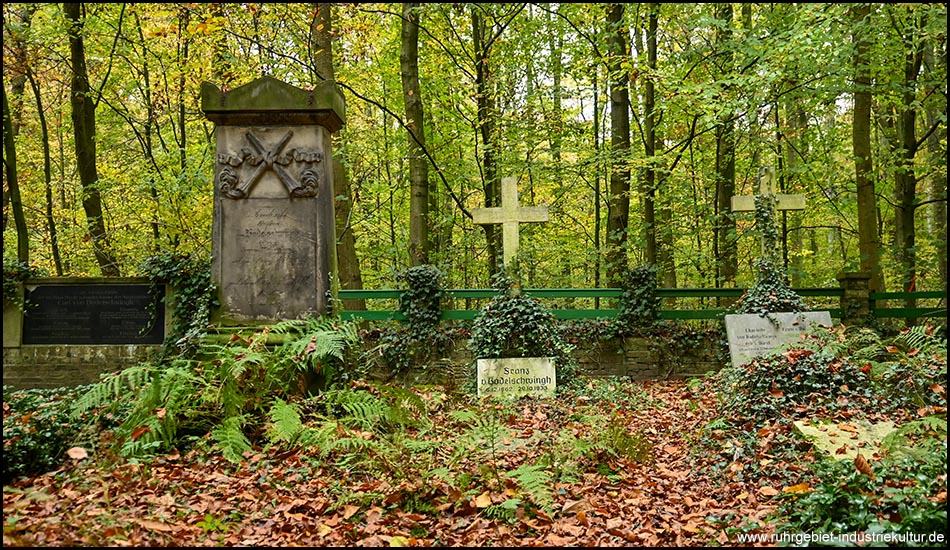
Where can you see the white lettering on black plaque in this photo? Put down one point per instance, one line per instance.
(93, 314)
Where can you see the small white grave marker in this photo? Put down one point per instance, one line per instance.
(517, 376)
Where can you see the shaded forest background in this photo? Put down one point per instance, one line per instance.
(634, 123)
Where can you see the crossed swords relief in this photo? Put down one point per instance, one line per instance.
(264, 160)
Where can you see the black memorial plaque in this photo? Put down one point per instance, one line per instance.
(93, 314)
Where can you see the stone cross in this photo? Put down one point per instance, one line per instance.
(509, 215)
(746, 203)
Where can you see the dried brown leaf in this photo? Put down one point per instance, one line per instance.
(862, 466)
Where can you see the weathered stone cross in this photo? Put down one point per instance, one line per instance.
(509, 215)
(746, 203)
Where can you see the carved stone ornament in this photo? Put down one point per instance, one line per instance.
(273, 160)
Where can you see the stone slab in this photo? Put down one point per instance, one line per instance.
(845, 440)
(93, 314)
(751, 335)
(273, 231)
(517, 377)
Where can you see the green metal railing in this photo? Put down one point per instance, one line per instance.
(700, 303)
(880, 312)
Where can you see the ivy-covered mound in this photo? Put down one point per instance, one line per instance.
(770, 293)
(898, 490)
(517, 325)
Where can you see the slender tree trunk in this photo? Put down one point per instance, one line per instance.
(724, 241)
(10, 166)
(618, 204)
(905, 185)
(84, 128)
(938, 180)
(419, 245)
(649, 183)
(348, 264)
(797, 122)
(486, 126)
(597, 196)
(47, 177)
(11, 129)
(869, 241)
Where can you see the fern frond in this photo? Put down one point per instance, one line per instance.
(112, 388)
(406, 407)
(285, 424)
(535, 482)
(320, 437)
(230, 437)
(923, 338)
(359, 408)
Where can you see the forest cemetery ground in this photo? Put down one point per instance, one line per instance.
(611, 463)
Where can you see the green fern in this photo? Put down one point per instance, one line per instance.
(112, 389)
(320, 437)
(355, 408)
(406, 407)
(285, 424)
(149, 403)
(922, 338)
(231, 439)
(315, 340)
(535, 482)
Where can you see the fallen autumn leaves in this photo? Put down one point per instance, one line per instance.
(685, 495)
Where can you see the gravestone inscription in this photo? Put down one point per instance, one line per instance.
(516, 377)
(93, 315)
(751, 335)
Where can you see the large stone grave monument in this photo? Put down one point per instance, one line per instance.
(753, 334)
(274, 243)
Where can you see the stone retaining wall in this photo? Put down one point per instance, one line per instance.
(634, 358)
(28, 367)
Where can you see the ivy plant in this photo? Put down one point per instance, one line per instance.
(14, 273)
(421, 337)
(771, 292)
(189, 276)
(514, 324)
(639, 303)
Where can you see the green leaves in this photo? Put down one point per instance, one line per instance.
(639, 303)
(770, 293)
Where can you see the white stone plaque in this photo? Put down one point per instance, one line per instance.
(751, 335)
(517, 376)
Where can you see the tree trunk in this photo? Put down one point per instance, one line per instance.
(938, 180)
(797, 122)
(486, 126)
(9, 163)
(348, 264)
(724, 241)
(419, 245)
(84, 130)
(905, 185)
(11, 128)
(649, 183)
(47, 177)
(869, 241)
(618, 203)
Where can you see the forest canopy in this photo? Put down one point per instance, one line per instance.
(633, 123)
